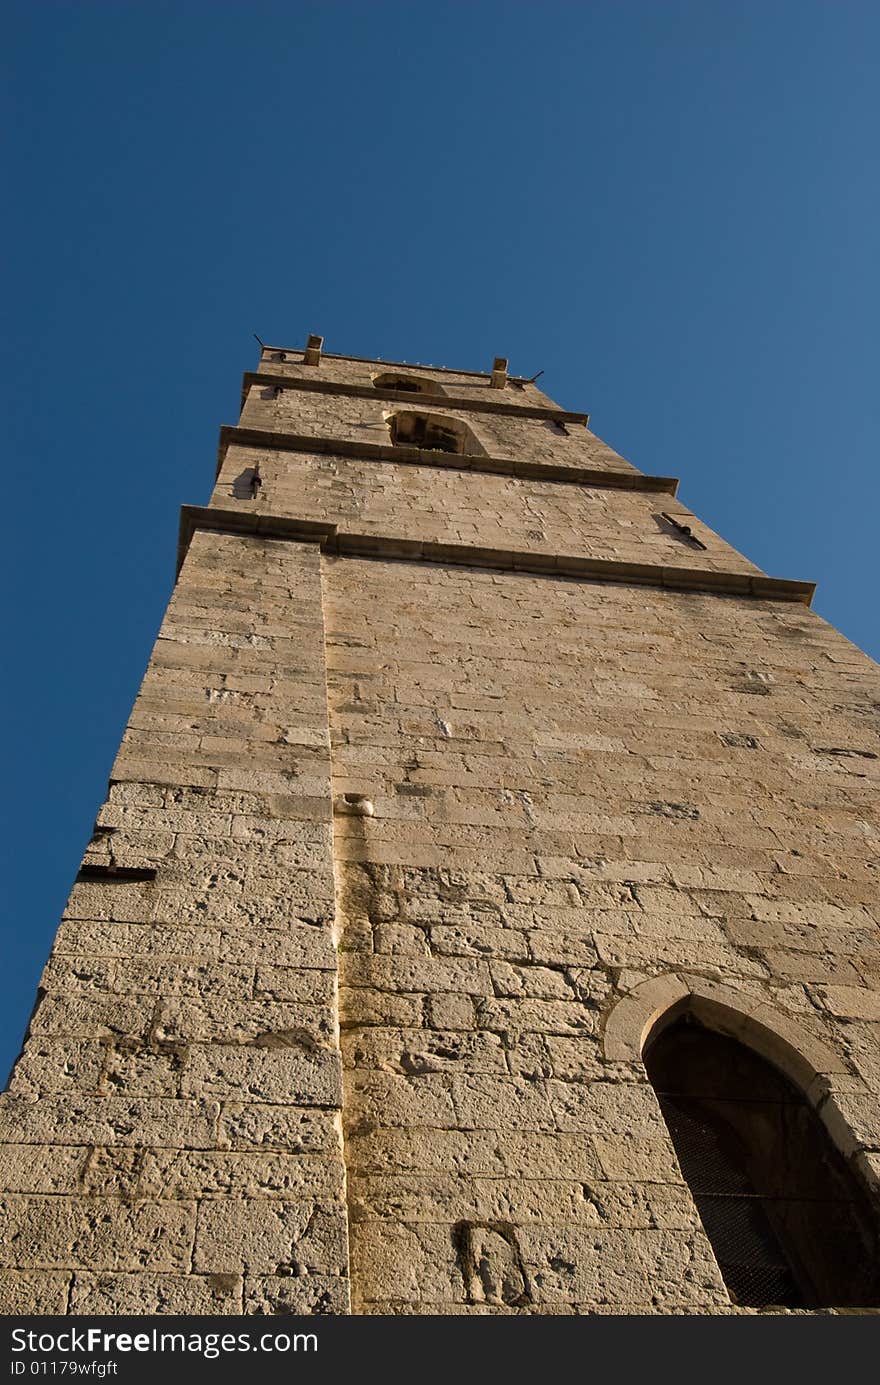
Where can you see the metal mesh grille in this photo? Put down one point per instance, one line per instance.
(710, 1168)
(789, 1222)
(760, 1286)
(753, 1263)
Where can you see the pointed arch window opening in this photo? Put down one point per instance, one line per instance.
(789, 1222)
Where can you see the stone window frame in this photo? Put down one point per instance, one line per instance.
(825, 1078)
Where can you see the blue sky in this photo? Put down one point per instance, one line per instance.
(670, 208)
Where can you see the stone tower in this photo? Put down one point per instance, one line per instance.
(482, 801)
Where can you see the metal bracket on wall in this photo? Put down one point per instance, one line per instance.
(684, 529)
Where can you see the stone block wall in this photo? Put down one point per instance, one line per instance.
(576, 789)
(171, 1132)
(357, 420)
(517, 815)
(443, 504)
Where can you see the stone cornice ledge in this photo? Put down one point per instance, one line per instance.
(421, 402)
(597, 477)
(298, 353)
(344, 544)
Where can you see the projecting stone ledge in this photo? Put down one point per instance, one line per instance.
(342, 543)
(598, 477)
(338, 387)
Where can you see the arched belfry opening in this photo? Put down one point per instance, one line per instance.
(406, 384)
(789, 1221)
(432, 433)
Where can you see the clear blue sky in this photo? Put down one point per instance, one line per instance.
(670, 208)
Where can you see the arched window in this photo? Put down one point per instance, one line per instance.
(432, 432)
(409, 384)
(790, 1223)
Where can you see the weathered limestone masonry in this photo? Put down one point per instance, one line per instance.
(590, 769)
(172, 1125)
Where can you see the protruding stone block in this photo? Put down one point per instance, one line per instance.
(313, 351)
